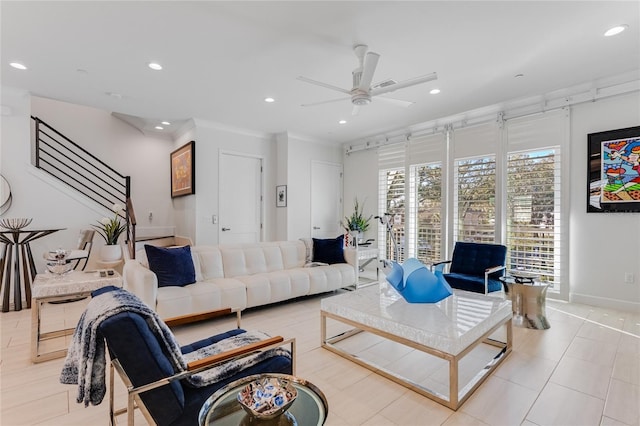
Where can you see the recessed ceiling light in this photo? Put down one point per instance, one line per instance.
(616, 30)
(159, 128)
(434, 91)
(154, 66)
(166, 123)
(18, 66)
(269, 100)
(342, 122)
(519, 75)
(114, 95)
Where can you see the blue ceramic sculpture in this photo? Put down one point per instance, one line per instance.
(417, 284)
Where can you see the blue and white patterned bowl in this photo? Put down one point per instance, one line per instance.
(267, 397)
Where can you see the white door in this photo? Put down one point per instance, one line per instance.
(240, 199)
(326, 199)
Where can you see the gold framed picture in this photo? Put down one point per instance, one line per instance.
(183, 172)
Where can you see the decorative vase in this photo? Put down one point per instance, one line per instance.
(110, 253)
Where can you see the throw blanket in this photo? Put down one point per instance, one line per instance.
(85, 363)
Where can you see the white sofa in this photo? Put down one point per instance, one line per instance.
(238, 276)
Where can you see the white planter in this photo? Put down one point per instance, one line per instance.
(110, 253)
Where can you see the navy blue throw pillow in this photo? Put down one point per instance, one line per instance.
(329, 251)
(172, 266)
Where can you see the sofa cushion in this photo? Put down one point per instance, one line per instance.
(172, 266)
(329, 250)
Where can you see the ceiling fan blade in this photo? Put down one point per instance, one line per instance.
(325, 85)
(324, 102)
(355, 110)
(398, 102)
(406, 83)
(370, 64)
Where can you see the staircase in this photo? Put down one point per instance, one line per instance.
(76, 167)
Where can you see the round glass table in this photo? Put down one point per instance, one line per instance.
(222, 408)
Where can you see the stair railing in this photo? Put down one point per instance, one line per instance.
(73, 165)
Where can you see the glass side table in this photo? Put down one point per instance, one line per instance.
(222, 408)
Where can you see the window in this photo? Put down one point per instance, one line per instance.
(492, 182)
(533, 212)
(426, 187)
(474, 211)
(392, 201)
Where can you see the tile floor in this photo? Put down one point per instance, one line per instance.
(584, 370)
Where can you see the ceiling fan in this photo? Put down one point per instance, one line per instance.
(362, 92)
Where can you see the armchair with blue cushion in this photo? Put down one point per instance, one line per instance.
(475, 267)
(144, 355)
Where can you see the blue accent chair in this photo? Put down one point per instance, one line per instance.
(153, 386)
(475, 267)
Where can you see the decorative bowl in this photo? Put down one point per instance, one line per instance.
(59, 268)
(15, 223)
(267, 397)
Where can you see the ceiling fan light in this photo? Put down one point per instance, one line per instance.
(361, 99)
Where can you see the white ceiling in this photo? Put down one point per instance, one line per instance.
(221, 59)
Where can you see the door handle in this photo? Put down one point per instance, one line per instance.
(316, 227)
(226, 229)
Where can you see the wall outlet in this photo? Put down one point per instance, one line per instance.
(628, 277)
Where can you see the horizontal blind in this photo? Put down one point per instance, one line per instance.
(426, 149)
(391, 156)
(475, 141)
(535, 131)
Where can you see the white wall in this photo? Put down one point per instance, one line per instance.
(602, 247)
(185, 207)
(211, 139)
(299, 158)
(361, 181)
(52, 205)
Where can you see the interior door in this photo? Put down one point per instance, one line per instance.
(326, 199)
(240, 199)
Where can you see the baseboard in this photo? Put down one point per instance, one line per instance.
(605, 302)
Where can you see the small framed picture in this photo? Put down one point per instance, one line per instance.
(281, 196)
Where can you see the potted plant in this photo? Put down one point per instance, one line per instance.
(357, 223)
(110, 230)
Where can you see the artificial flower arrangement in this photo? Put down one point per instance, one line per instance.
(110, 229)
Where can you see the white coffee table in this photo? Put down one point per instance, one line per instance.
(449, 330)
(48, 287)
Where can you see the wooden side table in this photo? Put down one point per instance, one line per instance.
(48, 287)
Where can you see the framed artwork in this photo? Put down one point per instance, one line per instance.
(613, 181)
(183, 172)
(281, 196)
